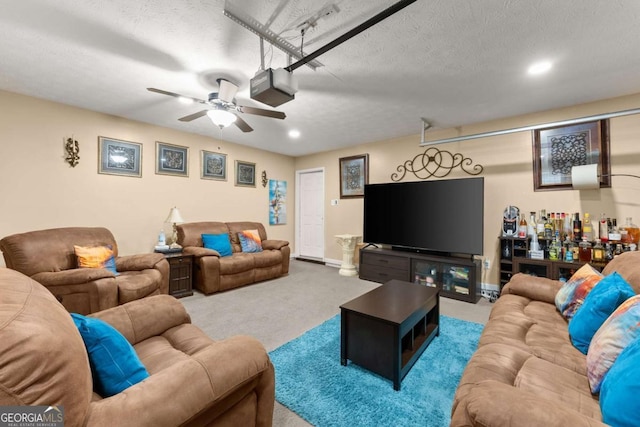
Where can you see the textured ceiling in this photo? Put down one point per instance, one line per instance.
(454, 62)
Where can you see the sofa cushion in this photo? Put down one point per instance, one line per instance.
(250, 241)
(114, 363)
(612, 291)
(134, 285)
(621, 387)
(267, 259)
(218, 242)
(572, 294)
(237, 263)
(96, 257)
(620, 329)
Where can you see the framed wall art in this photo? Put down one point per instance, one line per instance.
(117, 157)
(172, 159)
(557, 149)
(277, 202)
(245, 174)
(213, 165)
(354, 174)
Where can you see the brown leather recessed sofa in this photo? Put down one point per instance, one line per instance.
(215, 273)
(526, 372)
(193, 380)
(48, 257)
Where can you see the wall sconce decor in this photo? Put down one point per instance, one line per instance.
(435, 163)
(264, 178)
(72, 147)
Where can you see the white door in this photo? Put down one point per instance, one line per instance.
(311, 214)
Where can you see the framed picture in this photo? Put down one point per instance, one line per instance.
(277, 202)
(116, 157)
(245, 174)
(354, 174)
(213, 165)
(172, 159)
(557, 149)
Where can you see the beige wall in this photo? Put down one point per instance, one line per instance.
(508, 173)
(40, 190)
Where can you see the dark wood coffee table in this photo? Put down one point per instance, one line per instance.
(386, 330)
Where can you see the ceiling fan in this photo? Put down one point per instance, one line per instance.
(223, 109)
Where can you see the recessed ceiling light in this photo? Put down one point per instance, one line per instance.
(294, 133)
(539, 68)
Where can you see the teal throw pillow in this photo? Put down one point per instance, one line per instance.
(218, 242)
(115, 366)
(598, 305)
(621, 388)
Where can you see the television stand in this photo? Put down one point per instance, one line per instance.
(455, 277)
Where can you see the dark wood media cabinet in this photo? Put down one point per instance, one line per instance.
(455, 277)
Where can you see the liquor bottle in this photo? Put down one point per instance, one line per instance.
(531, 225)
(631, 232)
(614, 233)
(566, 225)
(522, 228)
(548, 229)
(603, 229)
(577, 228)
(618, 250)
(553, 249)
(597, 253)
(540, 224)
(585, 250)
(587, 227)
(608, 252)
(568, 249)
(557, 225)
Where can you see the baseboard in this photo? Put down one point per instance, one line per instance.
(312, 260)
(336, 263)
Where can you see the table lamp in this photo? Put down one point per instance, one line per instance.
(174, 218)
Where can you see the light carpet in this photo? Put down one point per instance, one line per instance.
(311, 381)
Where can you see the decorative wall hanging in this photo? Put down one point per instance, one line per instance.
(354, 175)
(264, 178)
(116, 157)
(245, 174)
(557, 149)
(277, 202)
(172, 159)
(213, 165)
(436, 163)
(73, 148)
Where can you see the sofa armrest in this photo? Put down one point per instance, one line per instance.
(274, 244)
(77, 276)
(138, 262)
(197, 251)
(491, 403)
(144, 318)
(244, 360)
(535, 288)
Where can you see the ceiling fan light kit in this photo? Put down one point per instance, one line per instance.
(221, 118)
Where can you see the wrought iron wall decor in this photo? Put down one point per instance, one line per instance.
(72, 147)
(264, 178)
(436, 163)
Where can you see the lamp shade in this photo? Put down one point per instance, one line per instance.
(585, 177)
(174, 216)
(221, 118)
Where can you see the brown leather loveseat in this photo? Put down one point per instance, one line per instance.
(192, 380)
(48, 257)
(215, 273)
(526, 372)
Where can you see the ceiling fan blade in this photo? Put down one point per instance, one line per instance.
(242, 125)
(261, 112)
(227, 90)
(175, 95)
(193, 116)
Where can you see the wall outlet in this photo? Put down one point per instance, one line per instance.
(487, 264)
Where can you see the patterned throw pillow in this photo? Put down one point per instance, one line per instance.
(96, 257)
(619, 391)
(620, 329)
(603, 300)
(572, 294)
(250, 241)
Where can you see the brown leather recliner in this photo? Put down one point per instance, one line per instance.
(214, 273)
(48, 257)
(193, 379)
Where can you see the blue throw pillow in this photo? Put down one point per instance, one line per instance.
(218, 242)
(621, 388)
(115, 366)
(250, 241)
(598, 305)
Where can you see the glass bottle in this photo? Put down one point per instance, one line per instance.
(585, 250)
(608, 252)
(629, 233)
(522, 227)
(618, 250)
(553, 249)
(614, 233)
(531, 225)
(587, 227)
(577, 227)
(567, 226)
(568, 249)
(540, 224)
(598, 251)
(603, 229)
(548, 229)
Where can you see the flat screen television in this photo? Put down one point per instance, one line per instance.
(443, 216)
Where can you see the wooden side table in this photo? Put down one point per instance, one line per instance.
(180, 274)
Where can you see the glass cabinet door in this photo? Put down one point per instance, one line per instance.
(455, 278)
(425, 273)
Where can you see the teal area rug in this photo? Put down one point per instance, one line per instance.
(312, 383)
